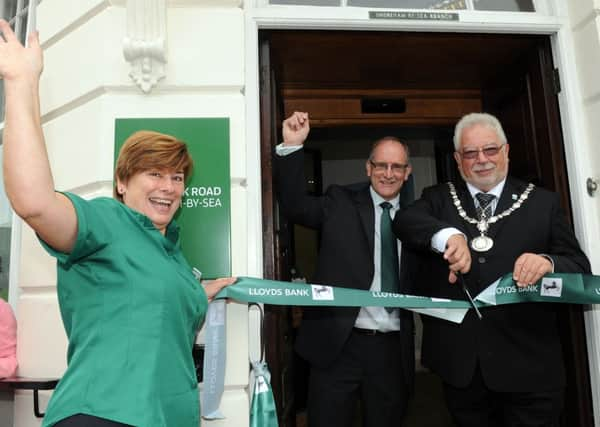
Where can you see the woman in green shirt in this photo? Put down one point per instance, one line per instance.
(128, 299)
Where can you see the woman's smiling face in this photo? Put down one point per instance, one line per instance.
(154, 193)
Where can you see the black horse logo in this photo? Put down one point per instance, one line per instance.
(321, 290)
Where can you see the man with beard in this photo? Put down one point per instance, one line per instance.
(354, 353)
(507, 368)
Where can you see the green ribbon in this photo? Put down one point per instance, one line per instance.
(263, 412)
(248, 289)
(559, 287)
(562, 288)
(215, 352)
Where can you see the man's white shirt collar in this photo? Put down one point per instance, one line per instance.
(496, 191)
(378, 200)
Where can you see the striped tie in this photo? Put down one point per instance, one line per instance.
(485, 204)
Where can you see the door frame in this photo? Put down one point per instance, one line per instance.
(577, 155)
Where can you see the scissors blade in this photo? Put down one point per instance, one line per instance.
(463, 283)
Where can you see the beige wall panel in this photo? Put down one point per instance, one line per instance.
(235, 406)
(236, 372)
(41, 339)
(87, 59)
(580, 10)
(206, 47)
(593, 112)
(80, 143)
(239, 230)
(24, 408)
(37, 268)
(587, 46)
(57, 17)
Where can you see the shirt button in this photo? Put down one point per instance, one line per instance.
(481, 260)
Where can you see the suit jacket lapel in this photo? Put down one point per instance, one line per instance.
(506, 198)
(364, 206)
(510, 193)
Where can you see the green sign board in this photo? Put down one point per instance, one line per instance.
(205, 214)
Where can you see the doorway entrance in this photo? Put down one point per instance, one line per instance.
(358, 86)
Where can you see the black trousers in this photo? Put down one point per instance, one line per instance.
(369, 369)
(478, 406)
(82, 420)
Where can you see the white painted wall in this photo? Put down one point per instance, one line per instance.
(584, 23)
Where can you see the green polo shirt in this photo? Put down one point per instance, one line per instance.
(131, 308)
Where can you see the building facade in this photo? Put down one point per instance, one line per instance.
(106, 60)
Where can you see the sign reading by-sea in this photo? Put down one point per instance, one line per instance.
(205, 214)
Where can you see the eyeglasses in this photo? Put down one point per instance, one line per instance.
(396, 168)
(487, 152)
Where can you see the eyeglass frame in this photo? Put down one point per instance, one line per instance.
(396, 168)
(474, 153)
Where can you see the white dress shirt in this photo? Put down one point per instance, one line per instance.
(378, 317)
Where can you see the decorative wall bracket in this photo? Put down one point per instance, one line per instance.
(145, 45)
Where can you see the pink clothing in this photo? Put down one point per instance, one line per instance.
(8, 341)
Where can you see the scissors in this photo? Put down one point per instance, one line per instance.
(463, 284)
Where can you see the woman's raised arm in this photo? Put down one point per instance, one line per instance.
(27, 176)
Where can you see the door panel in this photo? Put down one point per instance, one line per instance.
(277, 323)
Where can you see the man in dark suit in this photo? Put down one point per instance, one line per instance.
(507, 368)
(354, 353)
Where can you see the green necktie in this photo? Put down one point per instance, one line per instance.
(389, 252)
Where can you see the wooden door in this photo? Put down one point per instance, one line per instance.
(277, 322)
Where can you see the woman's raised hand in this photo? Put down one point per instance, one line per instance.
(18, 62)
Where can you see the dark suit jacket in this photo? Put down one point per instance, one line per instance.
(345, 217)
(517, 346)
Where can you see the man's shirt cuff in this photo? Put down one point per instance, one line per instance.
(439, 239)
(284, 150)
(549, 258)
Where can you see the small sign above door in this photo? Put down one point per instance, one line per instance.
(423, 16)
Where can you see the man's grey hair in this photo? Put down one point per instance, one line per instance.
(472, 119)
